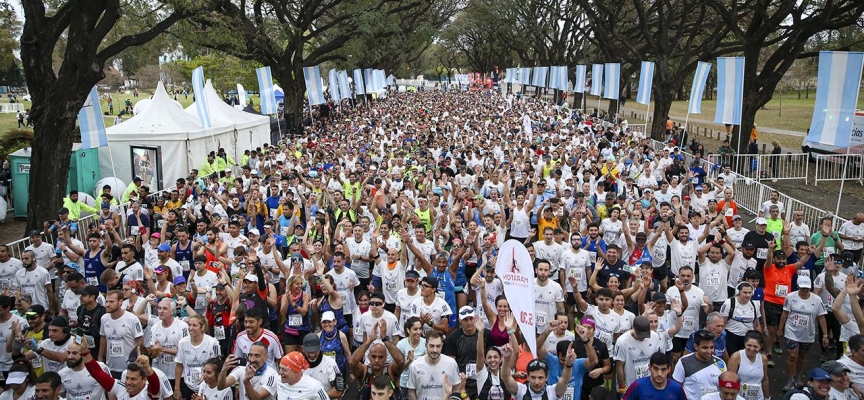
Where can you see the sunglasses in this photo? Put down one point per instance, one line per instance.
(376, 303)
(538, 364)
(31, 316)
(426, 285)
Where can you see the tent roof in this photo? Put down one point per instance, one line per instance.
(223, 114)
(162, 118)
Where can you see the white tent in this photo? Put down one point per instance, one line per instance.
(249, 130)
(165, 132)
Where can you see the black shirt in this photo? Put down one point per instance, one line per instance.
(463, 349)
(761, 243)
(89, 324)
(613, 269)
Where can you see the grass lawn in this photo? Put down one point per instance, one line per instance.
(9, 121)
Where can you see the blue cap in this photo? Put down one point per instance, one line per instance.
(164, 247)
(106, 205)
(179, 279)
(819, 374)
(72, 265)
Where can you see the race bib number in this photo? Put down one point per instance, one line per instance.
(92, 281)
(470, 370)
(689, 323)
(135, 230)
(358, 332)
(568, 395)
(609, 237)
(708, 390)
(605, 337)
(185, 265)
(295, 320)
(219, 332)
(200, 302)
(730, 212)
(36, 362)
(642, 371)
(517, 223)
(592, 255)
(781, 290)
(284, 231)
(167, 358)
(694, 180)
(714, 280)
(802, 321)
(91, 343)
(751, 392)
(344, 297)
(762, 253)
(117, 350)
(540, 318)
(390, 285)
(193, 375)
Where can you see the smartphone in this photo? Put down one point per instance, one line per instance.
(77, 339)
(242, 361)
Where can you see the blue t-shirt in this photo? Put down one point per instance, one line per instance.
(554, 369)
(642, 389)
(579, 372)
(807, 270)
(719, 344)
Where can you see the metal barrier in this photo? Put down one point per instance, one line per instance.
(17, 247)
(831, 167)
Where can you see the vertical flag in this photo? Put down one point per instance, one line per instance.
(535, 77)
(542, 79)
(265, 88)
(698, 87)
(333, 83)
(562, 78)
(200, 98)
(526, 76)
(344, 85)
(579, 80)
(91, 123)
(553, 77)
(613, 80)
(359, 87)
(646, 79)
(516, 271)
(370, 81)
(314, 91)
(730, 90)
(837, 86)
(241, 95)
(597, 79)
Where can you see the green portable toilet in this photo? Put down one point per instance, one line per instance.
(83, 174)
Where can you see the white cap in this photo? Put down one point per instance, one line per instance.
(328, 316)
(16, 378)
(254, 172)
(804, 282)
(761, 221)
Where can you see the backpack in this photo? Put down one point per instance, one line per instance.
(732, 308)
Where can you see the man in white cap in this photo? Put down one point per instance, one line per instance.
(802, 310)
(633, 351)
(461, 345)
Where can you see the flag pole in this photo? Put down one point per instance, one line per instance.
(845, 157)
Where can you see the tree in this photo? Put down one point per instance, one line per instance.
(10, 28)
(477, 33)
(80, 28)
(288, 35)
(773, 34)
(675, 34)
(225, 72)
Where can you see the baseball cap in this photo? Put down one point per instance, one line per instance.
(106, 205)
(328, 316)
(254, 231)
(761, 221)
(60, 322)
(698, 187)
(848, 258)
(779, 254)
(466, 312)
(835, 367)
(164, 247)
(251, 278)
(804, 282)
(432, 282)
(160, 270)
(412, 274)
(90, 290)
(136, 179)
(642, 328)
(35, 233)
(311, 343)
(156, 235)
(658, 298)
(179, 279)
(736, 216)
(748, 245)
(816, 374)
(16, 378)
(63, 210)
(35, 310)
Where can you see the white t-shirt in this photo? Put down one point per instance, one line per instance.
(695, 301)
(824, 294)
(742, 317)
(325, 372)
(119, 335)
(268, 380)
(857, 374)
(29, 394)
(682, 254)
(368, 321)
(404, 300)
(714, 278)
(607, 325)
(33, 283)
(636, 354)
(428, 380)
(192, 358)
(850, 229)
(803, 313)
(575, 264)
(307, 388)
(392, 280)
(343, 283)
(134, 270)
(552, 340)
(523, 389)
(168, 337)
(359, 249)
(493, 290)
(7, 274)
(205, 284)
(43, 253)
(549, 252)
(699, 378)
(80, 385)
(546, 299)
(214, 393)
(439, 309)
(48, 364)
(243, 344)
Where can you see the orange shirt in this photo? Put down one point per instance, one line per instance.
(731, 212)
(778, 282)
(525, 357)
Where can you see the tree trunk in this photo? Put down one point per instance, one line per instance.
(295, 88)
(662, 104)
(613, 108)
(52, 146)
